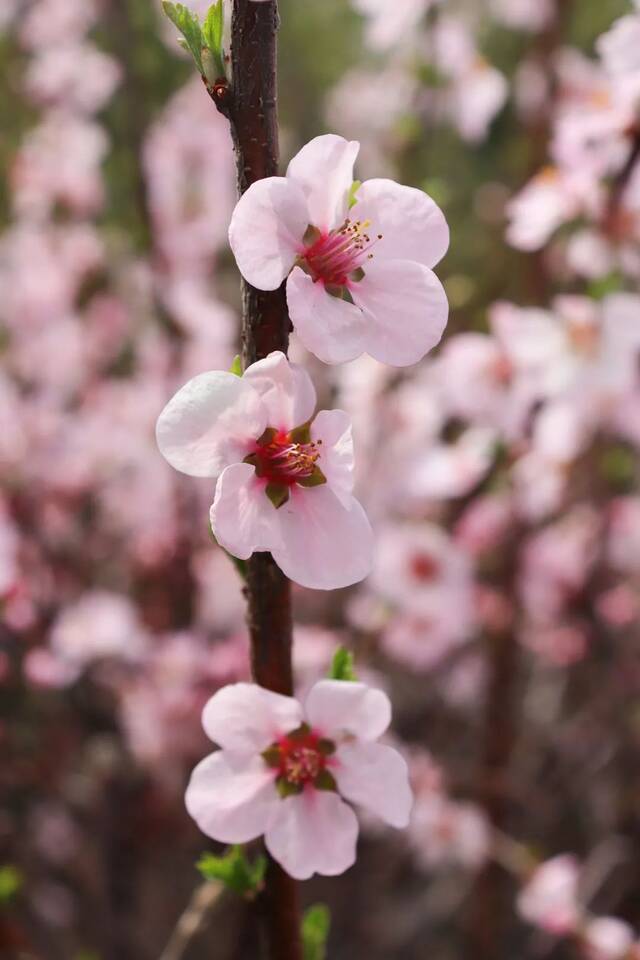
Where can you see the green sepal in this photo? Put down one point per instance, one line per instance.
(278, 493)
(300, 732)
(236, 366)
(316, 924)
(11, 881)
(272, 756)
(265, 438)
(357, 275)
(234, 870)
(342, 665)
(353, 189)
(325, 781)
(326, 747)
(188, 24)
(287, 789)
(301, 434)
(315, 480)
(311, 236)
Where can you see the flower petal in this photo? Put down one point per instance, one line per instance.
(232, 802)
(286, 389)
(266, 231)
(406, 308)
(315, 832)
(331, 328)
(326, 541)
(243, 519)
(412, 225)
(333, 428)
(209, 423)
(376, 777)
(339, 707)
(323, 169)
(246, 718)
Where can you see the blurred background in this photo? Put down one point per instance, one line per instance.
(500, 475)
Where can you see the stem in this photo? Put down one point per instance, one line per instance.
(250, 103)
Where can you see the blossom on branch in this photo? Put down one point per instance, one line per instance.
(285, 478)
(358, 258)
(285, 771)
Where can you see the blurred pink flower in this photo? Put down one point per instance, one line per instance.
(549, 899)
(283, 771)
(607, 938)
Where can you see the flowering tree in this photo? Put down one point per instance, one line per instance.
(450, 498)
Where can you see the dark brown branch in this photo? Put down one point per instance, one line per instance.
(250, 103)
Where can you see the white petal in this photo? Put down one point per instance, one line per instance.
(246, 718)
(243, 519)
(339, 707)
(331, 328)
(412, 225)
(266, 231)
(286, 389)
(209, 423)
(333, 428)
(376, 777)
(323, 169)
(326, 541)
(406, 308)
(315, 832)
(232, 802)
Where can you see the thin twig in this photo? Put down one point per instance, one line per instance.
(191, 922)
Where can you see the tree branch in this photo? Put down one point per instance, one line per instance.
(250, 103)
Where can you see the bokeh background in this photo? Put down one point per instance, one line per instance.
(500, 475)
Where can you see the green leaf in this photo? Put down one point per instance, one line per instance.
(213, 27)
(234, 871)
(10, 882)
(315, 931)
(355, 186)
(342, 665)
(188, 24)
(301, 434)
(612, 283)
(236, 366)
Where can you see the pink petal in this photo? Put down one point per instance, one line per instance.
(326, 541)
(315, 832)
(339, 707)
(333, 428)
(286, 389)
(244, 717)
(232, 801)
(331, 328)
(266, 231)
(376, 777)
(412, 225)
(243, 519)
(209, 423)
(406, 309)
(323, 170)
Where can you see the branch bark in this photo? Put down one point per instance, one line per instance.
(250, 103)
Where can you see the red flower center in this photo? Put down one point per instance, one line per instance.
(301, 759)
(281, 459)
(335, 257)
(424, 567)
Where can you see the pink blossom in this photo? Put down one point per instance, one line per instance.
(76, 75)
(284, 477)
(285, 771)
(619, 47)
(359, 277)
(549, 899)
(99, 624)
(389, 24)
(530, 15)
(607, 938)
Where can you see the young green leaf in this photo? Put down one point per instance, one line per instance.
(355, 186)
(10, 882)
(342, 665)
(236, 366)
(213, 27)
(234, 870)
(188, 24)
(315, 931)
